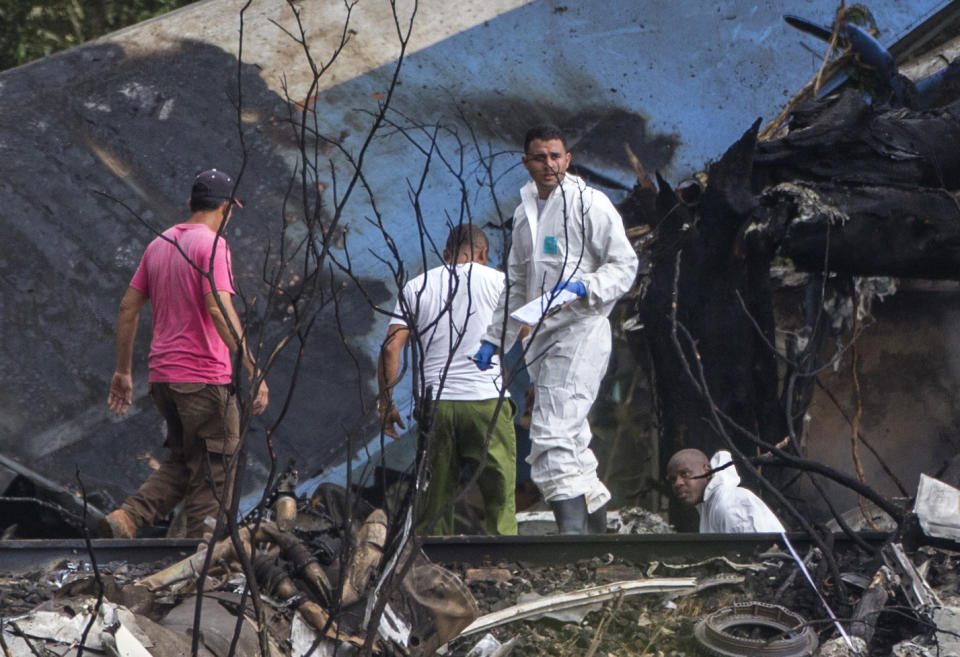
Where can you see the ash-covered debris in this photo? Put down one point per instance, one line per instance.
(637, 520)
(665, 623)
(632, 520)
(322, 584)
(651, 609)
(335, 573)
(600, 606)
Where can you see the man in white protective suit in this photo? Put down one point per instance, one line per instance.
(725, 507)
(566, 236)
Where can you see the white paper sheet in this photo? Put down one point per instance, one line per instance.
(938, 508)
(532, 312)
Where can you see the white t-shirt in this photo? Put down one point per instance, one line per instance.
(451, 314)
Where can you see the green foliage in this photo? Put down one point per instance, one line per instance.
(30, 29)
(862, 16)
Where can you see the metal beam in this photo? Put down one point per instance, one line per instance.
(944, 21)
(533, 550)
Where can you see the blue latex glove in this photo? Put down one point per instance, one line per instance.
(484, 354)
(576, 287)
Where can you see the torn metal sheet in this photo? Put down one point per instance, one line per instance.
(564, 614)
(921, 597)
(575, 599)
(65, 625)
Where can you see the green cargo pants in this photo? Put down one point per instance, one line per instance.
(461, 430)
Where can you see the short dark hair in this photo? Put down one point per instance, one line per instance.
(467, 235)
(205, 203)
(544, 132)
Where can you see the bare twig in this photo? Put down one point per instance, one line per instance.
(602, 625)
(96, 571)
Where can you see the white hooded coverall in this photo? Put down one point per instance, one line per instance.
(578, 236)
(729, 509)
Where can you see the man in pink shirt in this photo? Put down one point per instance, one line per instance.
(185, 274)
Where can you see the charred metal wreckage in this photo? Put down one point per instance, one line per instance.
(312, 581)
(851, 187)
(340, 563)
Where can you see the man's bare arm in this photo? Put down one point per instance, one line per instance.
(230, 337)
(388, 370)
(121, 384)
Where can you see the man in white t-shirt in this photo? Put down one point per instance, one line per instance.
(445, 311)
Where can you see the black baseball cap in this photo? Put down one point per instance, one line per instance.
(215, 185)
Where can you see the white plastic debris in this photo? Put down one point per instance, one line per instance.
(485, 647)
(394, 628)
(303, 636)
(489, 646)
(936, 508)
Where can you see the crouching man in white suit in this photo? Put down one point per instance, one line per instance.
(725, 507)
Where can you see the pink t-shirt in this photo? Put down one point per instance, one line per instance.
(186, 347)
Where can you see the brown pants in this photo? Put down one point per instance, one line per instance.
(203, 428)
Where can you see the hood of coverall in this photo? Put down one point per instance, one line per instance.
(726, 477)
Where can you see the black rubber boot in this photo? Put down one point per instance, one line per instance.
(597, 521)
(571, 515)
